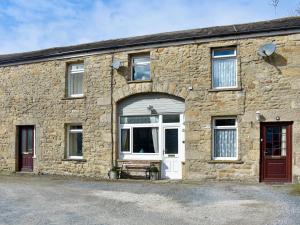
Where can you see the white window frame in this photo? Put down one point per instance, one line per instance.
(145, 56)
(73, 131)
(235, 127)
(160, 125)
(137, 125)
(72, 72)
(232, 56)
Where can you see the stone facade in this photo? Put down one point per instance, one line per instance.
(35, 94)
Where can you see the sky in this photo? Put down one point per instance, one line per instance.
(27, 25)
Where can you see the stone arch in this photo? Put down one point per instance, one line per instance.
(173, 89)
(138, 104)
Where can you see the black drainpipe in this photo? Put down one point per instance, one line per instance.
(112, 110)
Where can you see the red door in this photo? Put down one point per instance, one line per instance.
(276, 152)
(26, 148)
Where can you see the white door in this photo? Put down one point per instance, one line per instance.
(171, 165)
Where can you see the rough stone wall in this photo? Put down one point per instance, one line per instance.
(34, 94)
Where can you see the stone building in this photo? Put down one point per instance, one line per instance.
(201, 103)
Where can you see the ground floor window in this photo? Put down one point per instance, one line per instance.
(140, 134)
(224, 138)
(74, 149)
(145, 140)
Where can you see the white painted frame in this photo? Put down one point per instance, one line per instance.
(129, 155)
(232, 56)
(170, 127)
(74, 131)
(72, 72)
(220, 128)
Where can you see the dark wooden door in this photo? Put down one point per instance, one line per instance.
(276, 152)
(26, 148)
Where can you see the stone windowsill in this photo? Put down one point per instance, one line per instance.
(74, 160)
(225, 161)
(138, 81)
(73, 98)
(225, 89)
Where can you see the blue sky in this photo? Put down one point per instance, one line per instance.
(27, 25)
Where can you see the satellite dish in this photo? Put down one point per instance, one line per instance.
(116, 64)
(267, 49)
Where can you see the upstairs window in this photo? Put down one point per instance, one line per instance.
(75, 80)
(140, 67)
(224, 68)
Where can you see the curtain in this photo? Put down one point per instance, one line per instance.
(224, 72)
(225, 143)
(155, 139)
(125, 137)
(76, 80)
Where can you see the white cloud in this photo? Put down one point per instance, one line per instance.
(27, 25)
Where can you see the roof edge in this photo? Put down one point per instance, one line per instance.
(285, 25)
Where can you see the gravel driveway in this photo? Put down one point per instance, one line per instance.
(58, 200)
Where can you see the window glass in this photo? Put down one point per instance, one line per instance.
(224, 71)
(30, 140)
(171, 141)
(171, 119)
(141, 68)
(125, 140)
(224, 52)
(75, 145)
(75, 141)
(76, 83)
(23, 138)
(75, 127)
(225, 139)
(138, 119)
(225, 143)
(225, 122)
(276, 141)
(76, 68)
(75, 80)
(145, 140)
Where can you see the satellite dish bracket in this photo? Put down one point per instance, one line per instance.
(116, 64)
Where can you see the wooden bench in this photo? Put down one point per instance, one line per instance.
(137, 166)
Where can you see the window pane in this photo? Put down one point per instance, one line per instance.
(276, 141)
(224, 52)
(76, 127)
(283, 141)
(171, 119)
(76, 80)
(224, 73)
(23, 139)
(75, 144)
(141, 72)
(225, 143)
(141, 60)
(225, 122)
(76, 67)
(171, 141)
(138, 119)
(125, 140)
(30, 140)
(145, 140)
